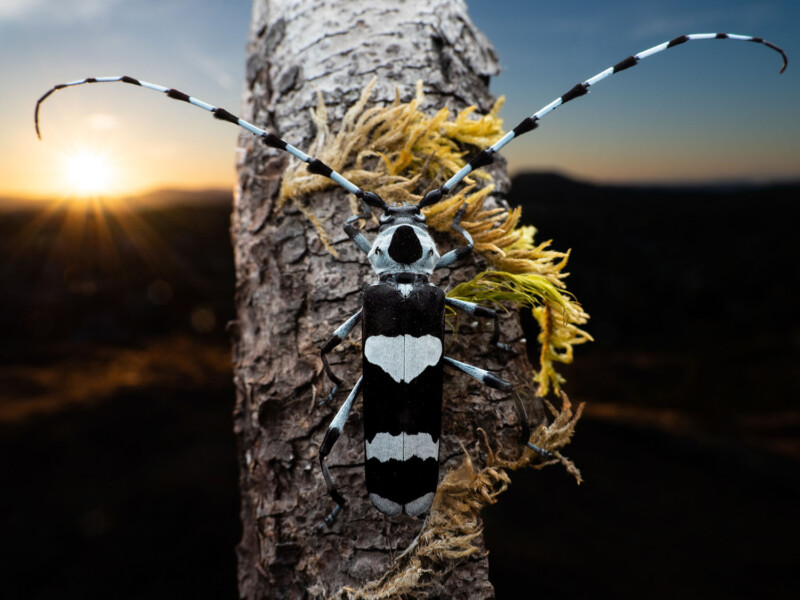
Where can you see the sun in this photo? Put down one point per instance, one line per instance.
(88, 173)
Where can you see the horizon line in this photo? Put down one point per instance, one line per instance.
(8, 198)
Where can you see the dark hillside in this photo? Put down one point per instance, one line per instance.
(118, 459)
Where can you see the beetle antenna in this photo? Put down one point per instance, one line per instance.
(486, 156)
(314, 165)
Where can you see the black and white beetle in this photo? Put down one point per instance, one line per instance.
(403, 313)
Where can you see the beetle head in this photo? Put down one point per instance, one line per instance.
(403, 244)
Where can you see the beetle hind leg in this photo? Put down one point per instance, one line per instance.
(331, 437)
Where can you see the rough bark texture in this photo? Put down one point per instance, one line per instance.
(291, 293)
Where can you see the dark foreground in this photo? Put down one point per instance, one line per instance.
(119, 466)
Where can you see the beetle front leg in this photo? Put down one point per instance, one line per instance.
(459, 253)
(354, 233)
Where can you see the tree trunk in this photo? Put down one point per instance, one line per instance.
(291, 293)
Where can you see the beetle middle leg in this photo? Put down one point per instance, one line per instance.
(476, 310)
(337, 338)
(493, 381)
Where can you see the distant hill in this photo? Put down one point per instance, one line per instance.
(155, 198)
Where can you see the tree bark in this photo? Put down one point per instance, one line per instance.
(291, 293)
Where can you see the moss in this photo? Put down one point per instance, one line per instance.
(398, 152)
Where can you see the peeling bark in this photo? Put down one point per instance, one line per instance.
(291, 294)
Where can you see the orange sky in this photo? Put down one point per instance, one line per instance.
(697, 113)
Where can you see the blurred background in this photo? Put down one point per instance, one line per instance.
(674, 186)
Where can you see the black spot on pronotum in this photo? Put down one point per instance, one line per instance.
(318, 167)
(177, 95)
(224, 115)
(578, 90)
(405, 247)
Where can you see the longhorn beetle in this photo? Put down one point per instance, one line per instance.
(402, 314)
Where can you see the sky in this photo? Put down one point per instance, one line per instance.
(705, 112)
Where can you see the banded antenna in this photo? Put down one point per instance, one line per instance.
(314, 165)
(481, 159)
(486, 156)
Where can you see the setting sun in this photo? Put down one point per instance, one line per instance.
(88, 173)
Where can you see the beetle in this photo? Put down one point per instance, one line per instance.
(402, 314)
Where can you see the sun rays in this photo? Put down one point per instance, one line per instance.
(88, 173)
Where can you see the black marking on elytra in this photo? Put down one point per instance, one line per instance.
(405, 247)
(527, 124)
(273, 141)
(177, 95)
(629, 62)
(224, 115)
(681, 39)
(318, 167)
(481, 159)
(402, 481)
(579, 89)
(131, 80)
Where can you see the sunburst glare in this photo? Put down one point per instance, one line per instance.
(88, 173)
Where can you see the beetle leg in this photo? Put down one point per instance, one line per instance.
(491, 380)
(338, 336)
(476, 310)
(331, 436)
(354, 233)
(459, 253)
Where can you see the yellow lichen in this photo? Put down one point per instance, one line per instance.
(453, 524)
(398, 152)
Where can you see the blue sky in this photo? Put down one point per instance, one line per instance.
(707, 111)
